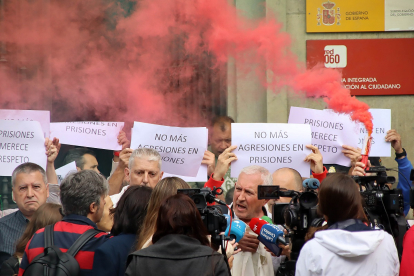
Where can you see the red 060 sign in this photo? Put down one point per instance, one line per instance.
(332, 58)
(365, 69)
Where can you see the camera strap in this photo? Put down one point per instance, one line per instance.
(349, 222)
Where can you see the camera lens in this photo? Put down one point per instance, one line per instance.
(308, 200)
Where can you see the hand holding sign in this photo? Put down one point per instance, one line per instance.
(124, 156)
(315, 159)
(123, 140)
(52, 152)
(223, 163)
(354, 154)
(395, 139)
(209, 159)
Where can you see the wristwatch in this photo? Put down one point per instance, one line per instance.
(402, 154)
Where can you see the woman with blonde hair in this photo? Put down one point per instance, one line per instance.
(47, 214)
(165, 187)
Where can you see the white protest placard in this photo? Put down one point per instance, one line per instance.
(41, 116)
(20, 142)
(382, 123)
(201, 174)
(272, 146)
(181, 148)
(64, 170)
(330, 130)
(100, 135)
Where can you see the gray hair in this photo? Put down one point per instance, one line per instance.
(28, 168)
(79, 190)
(148, 153)
(264, 173)
(77, 156)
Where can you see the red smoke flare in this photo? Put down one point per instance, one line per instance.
(148, 61)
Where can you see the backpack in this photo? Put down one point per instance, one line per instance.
(53, 262)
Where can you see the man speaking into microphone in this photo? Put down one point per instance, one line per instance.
(253, 259)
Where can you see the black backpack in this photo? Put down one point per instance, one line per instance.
(53, 262)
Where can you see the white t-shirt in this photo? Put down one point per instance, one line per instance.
(116, 197)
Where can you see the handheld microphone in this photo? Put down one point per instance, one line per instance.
(268, 234)
(238, 228)
(311, 183)
(267, 219)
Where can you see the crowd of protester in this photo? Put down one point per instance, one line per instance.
(138, 224)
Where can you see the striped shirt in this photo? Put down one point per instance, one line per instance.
(66, 232)
(11, 229)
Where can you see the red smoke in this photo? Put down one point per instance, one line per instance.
(148, 61)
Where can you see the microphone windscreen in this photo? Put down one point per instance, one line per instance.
(271, 232)
(237, 230)
(311, 183)
(256, 225)
(267, 219)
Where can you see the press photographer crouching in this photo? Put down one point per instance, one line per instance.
(180, 244)
(346, 245)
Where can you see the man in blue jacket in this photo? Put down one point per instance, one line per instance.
(404, 166)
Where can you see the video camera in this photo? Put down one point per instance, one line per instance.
(298, 215)
(212, 216)
(383, 207)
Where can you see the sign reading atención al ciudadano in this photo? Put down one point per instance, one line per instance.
(368, 66)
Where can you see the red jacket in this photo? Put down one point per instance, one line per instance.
(66, 232)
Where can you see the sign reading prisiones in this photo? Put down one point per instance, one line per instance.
(20, 142)
(272, 146)
(100, 135)
(330, 131)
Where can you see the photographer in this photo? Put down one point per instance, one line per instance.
(180, 244)
(404, 166)
(346, 246)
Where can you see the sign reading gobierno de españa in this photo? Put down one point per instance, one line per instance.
(359, 16)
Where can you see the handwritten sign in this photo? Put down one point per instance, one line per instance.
(63, 171)
(382, 123)
(272, 146)
(181, 148)
(100, 135)
(20, 142)
(42, 116)
(330, 131)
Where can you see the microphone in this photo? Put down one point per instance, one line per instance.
(267, 219)
(311, 183)
(268, 234)
(238, 228)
